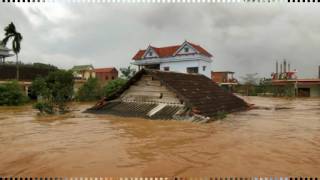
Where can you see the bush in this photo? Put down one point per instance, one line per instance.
(39, 88)
(55, 90)
(11, 94)
(44, 107)
(90, 91)
(113, 86)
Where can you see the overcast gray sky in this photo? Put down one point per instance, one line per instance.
(245, 38)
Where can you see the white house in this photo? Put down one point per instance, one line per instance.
(185, 58)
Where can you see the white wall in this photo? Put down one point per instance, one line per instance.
(181, 66)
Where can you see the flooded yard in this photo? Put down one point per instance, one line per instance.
(281, 138)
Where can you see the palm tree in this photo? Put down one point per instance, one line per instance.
(11, 33)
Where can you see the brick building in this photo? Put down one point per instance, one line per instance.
(106, 74)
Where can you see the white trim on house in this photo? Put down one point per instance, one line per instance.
(150, 48)
(185, 43)
(194, 57)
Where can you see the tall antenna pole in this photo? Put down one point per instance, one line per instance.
(277, 71)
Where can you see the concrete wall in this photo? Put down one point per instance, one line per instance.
(181, 66)
(315, 91)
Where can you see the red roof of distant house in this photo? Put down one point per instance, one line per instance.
(104, 70)
(170, 50)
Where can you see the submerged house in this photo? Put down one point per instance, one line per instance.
(170, 95)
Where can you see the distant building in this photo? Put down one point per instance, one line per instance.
(83, 72)
(300, 87)
(287, 81)
(184, 58)
(4, 53)
(106, 74)
(225, 79)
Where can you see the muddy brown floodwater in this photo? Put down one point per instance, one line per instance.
(280, 139)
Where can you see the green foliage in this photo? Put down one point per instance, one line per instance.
(56, 90)
(44, 107)
(12, 33)
(90, 91)
(127, 73)
(11, 94)
(39, 87)
(44, 66)
(113, 86)
(220, 115)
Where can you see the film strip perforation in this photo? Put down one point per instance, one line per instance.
(160, 1)
(157, 178)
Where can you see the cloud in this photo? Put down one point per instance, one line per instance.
(245, 38)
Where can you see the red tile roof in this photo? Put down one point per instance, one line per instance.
(169, 51)
(106, 70)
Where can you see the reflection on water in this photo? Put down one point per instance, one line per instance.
(280, 137)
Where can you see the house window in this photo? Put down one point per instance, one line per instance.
(112, 77)
(166, 69)
(107, 77)
(203, 68)
(186, 49)
(192, 70)
(150, 53)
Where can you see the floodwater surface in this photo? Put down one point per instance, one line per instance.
(281, 138)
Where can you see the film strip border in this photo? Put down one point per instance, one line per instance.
(160, 1)
(158, 178)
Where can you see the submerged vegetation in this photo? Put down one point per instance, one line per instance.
(90, 91)
(220, 115)
(11, 94)
(53, 92)
(113, 86)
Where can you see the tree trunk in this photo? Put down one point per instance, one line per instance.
(17, 66)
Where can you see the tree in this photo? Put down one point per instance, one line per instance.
(56, 90)
(60, 84)
(128, 72)
(12, 33)
(39, 88)
(113, 86)
(250, 81)
(44, 66)
(90, 90)
(11, 94)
